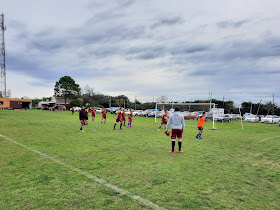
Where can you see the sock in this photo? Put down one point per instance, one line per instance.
(115, 125)
(173, 145)
(81, 128)
(101, 121)
(121, 125)
(124, 123)
(92, 119)
(105, 122)
(180, 145)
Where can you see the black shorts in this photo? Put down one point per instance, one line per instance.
(200, 128)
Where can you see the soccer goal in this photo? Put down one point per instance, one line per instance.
(189, 108)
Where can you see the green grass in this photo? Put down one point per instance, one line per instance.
(227, 169)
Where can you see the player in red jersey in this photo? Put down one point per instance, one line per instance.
(104, 115)
(123, 117)
(87, 110)
(118, 119)
(93, 114)
(164, 120)
(73, 110)
(130, 118)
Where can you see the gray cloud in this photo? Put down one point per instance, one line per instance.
(231, 24)
(167, 22)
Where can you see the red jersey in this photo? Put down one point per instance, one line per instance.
(164, 118)
(93, 112)
(130, 117)
(119, 115)
(123, 115)
(104, 113)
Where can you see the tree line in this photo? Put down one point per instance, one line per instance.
(67, 88)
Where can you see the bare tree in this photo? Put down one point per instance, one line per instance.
(162, 99)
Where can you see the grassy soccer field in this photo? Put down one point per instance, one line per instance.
(227, 169)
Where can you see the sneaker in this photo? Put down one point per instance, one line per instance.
(180, 151)
(200, 137)
(197, 137)
(171, 152)
(130, 126)
(120, 128)
(158, 129)
(114, 129)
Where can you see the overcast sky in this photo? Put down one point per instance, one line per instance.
(181, 49)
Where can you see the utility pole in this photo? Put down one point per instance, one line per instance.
(259, 107)
(272, 107)
(3, 91)
(251, 108)
(110, 101)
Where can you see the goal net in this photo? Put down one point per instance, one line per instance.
(188, 110)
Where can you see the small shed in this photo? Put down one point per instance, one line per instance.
(15, 103)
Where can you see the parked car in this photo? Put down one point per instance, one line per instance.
(160, 114)
(189, 116)
(145, 113)
(76, 109)
(153, 113)
(114, 109)
(251, 118)
(62, 108)
(45, 108)
(98, 110)
(223, 118)
(234, 116)
(270, 118)
(137, 112)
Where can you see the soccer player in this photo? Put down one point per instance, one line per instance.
(199, 125)
(104, 115)
(163, 120)
(93, 114)
(118, 119)
(177, 122)
(87, 110)
(130, 118)
(73, 110)
(83, 117)
(123, 117)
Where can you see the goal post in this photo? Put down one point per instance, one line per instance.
(212, 107)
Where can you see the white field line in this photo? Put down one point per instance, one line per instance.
(269, 138)
(90, 176)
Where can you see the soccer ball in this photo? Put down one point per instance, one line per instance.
(167, 133)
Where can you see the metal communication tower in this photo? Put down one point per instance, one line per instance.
(2, 58)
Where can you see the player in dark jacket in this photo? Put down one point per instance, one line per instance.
(83, 117)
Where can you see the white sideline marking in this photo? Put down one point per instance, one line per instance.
(88, 175)
(269, 138)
